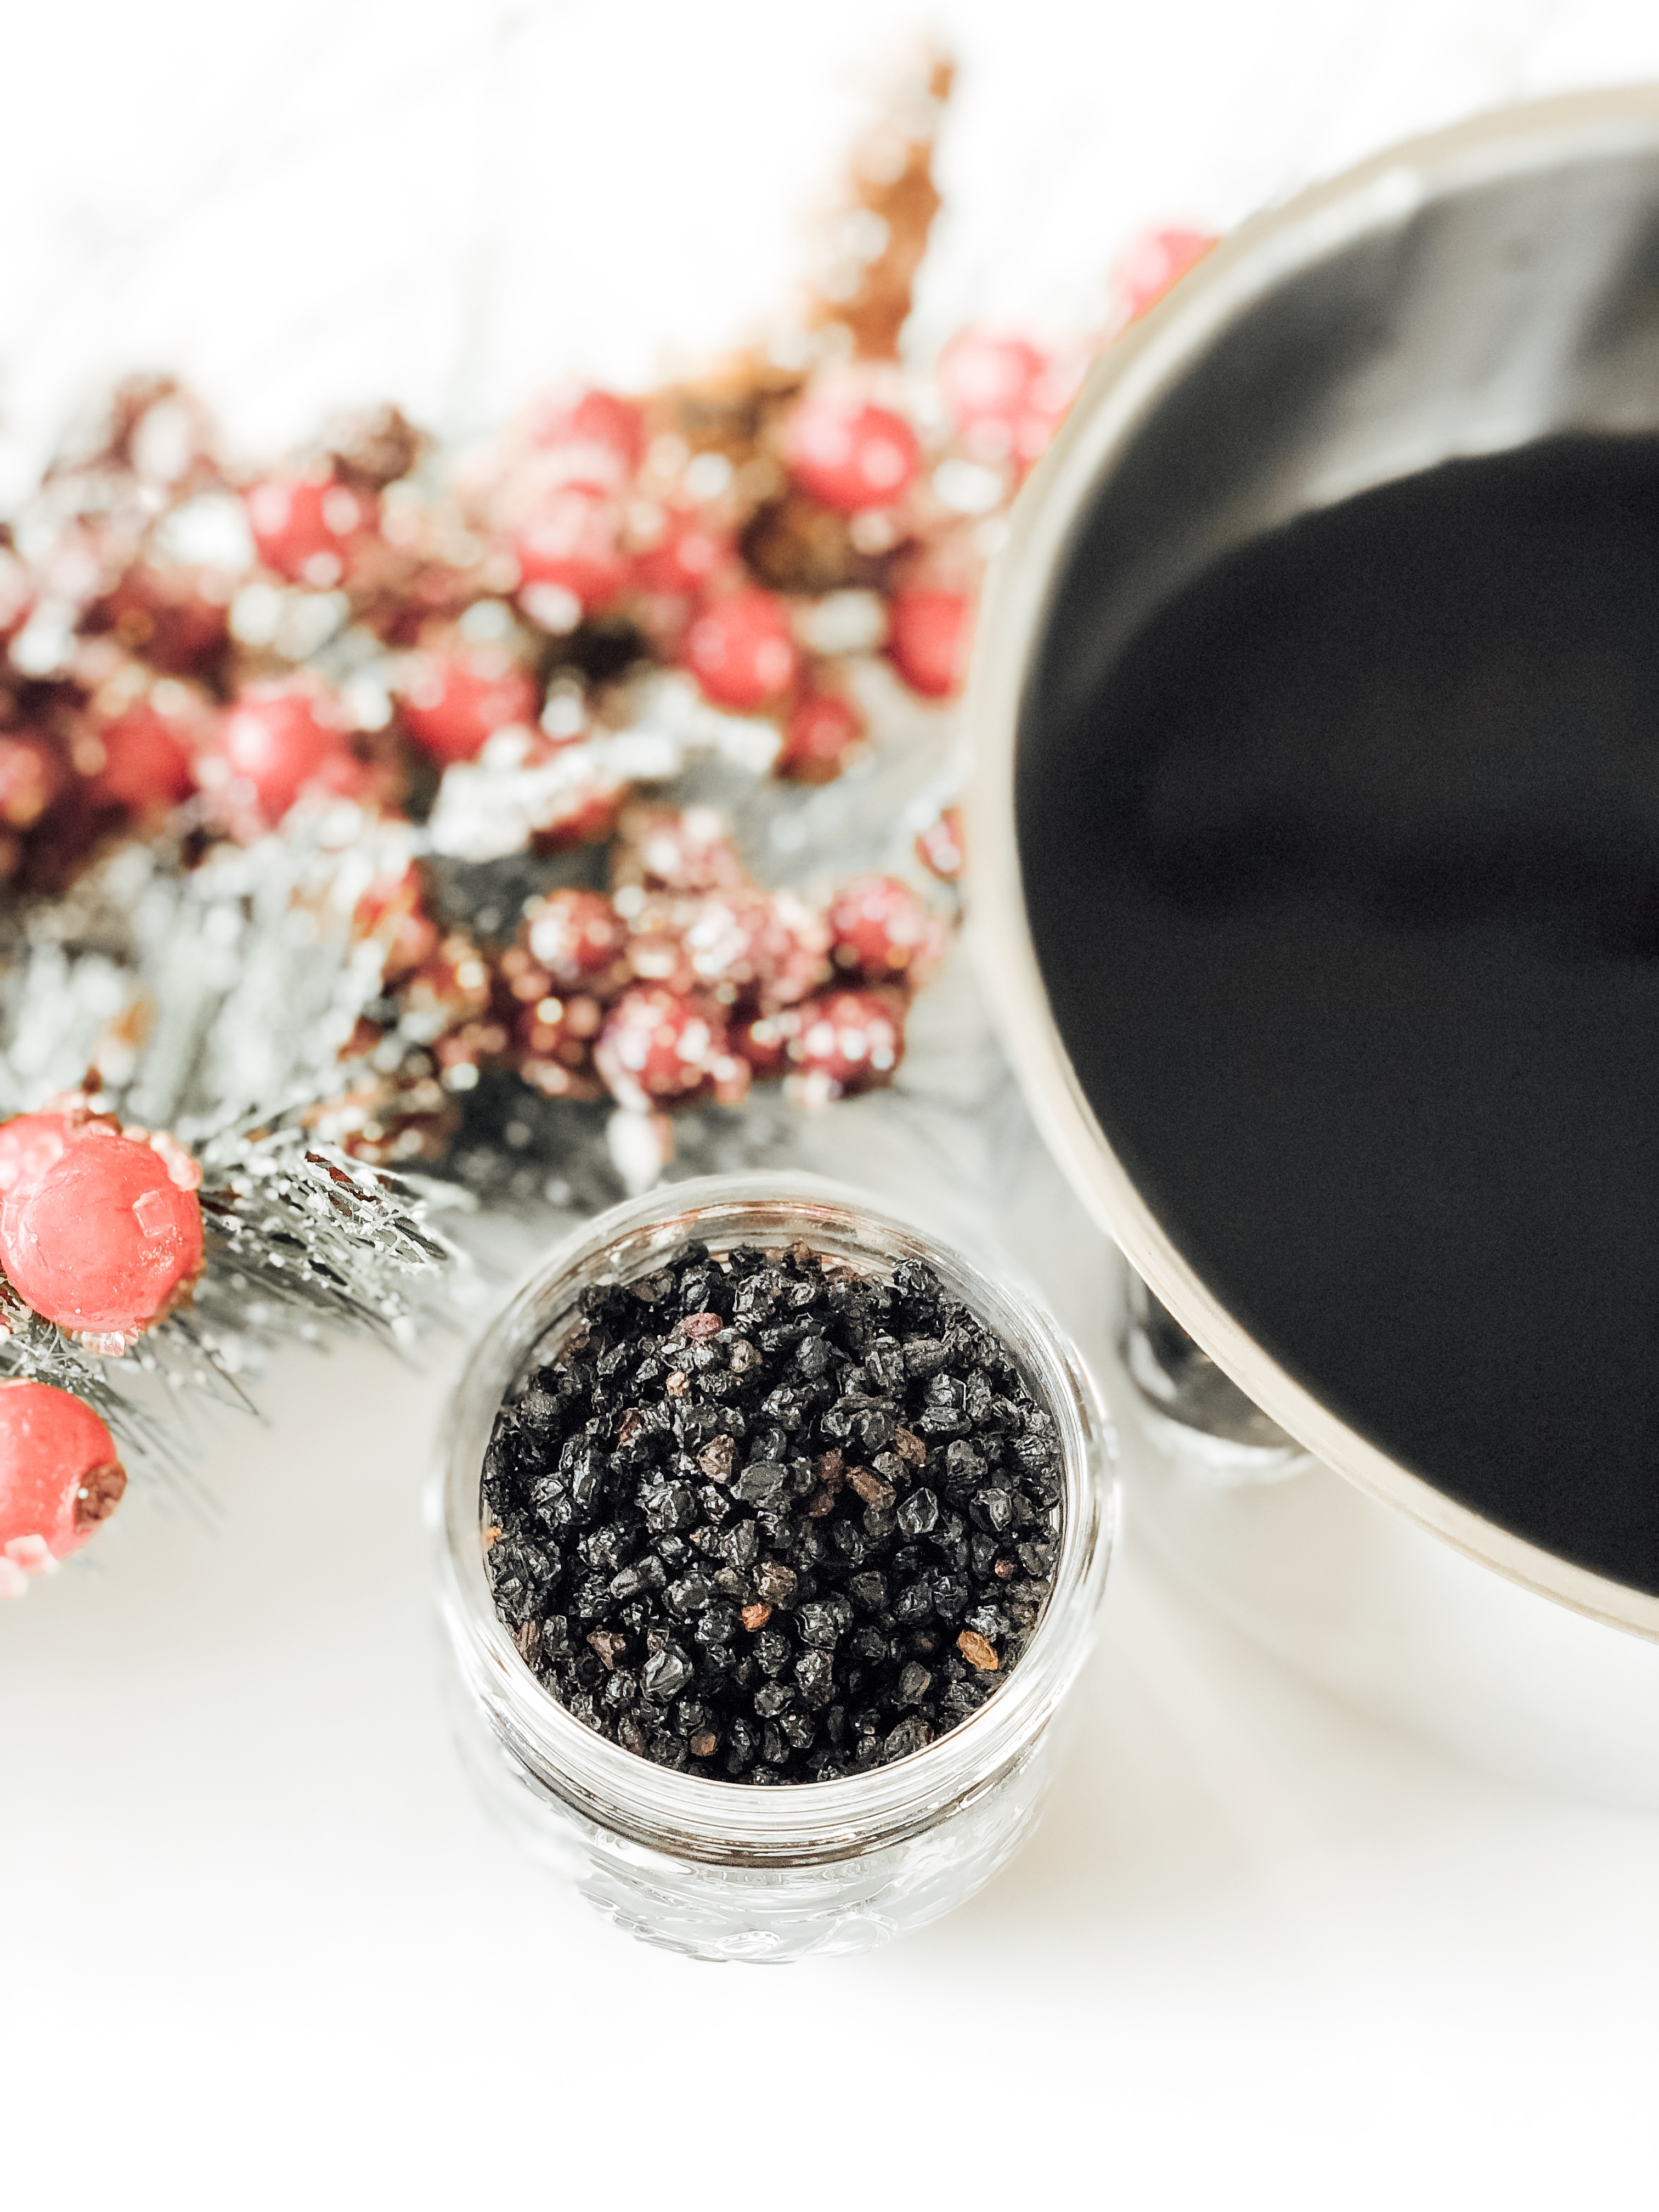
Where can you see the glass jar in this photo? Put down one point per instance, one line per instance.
(729, 1871)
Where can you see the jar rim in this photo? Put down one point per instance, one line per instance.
(788, 1823)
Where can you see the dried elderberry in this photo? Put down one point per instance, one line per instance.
(763, 1519)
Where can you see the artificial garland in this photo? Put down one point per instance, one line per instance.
(394, 819)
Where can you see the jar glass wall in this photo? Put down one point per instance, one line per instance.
(727, 1870)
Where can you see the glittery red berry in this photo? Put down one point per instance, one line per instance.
(754, 947)
(147, 762)
(822, 731)
(881, 932)
(575, 936)
(764, 1041)
(276, 740)
(455, 701)
(850, 457)
(569, 557)
(1151, 264)
(844, 1042)
(683, 555)
(597, 436)
(741, 650)
(308, 531)
(106, 1239)
(928, 635)
(658, 1045)
(60, 1476)
(31, 777)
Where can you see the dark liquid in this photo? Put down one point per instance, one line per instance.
(1347, 891)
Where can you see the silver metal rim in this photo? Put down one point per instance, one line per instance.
(1132, 374)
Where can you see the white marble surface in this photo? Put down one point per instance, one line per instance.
(256, 1944)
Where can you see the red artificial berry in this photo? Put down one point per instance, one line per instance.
(880, 931)
(683, 558)
(569, 558)
(939, 846)
(107, 1238)
(928, 634)
(60, 1476)
(988, 377)
(1005, 395)
(850, 457)
(275, 741)
(1152, 264)
(31, 777)
(456, 702)
(741, 652)
(147, 762)
(575, 936)
(657, 1044)
(306, 530)
(822, 729)
(844, 1042)
(598, 437)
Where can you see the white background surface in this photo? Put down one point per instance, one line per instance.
(256, 1946)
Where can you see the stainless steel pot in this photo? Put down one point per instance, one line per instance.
(1468, 294)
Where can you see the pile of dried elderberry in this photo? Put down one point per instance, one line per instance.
(766, 1518)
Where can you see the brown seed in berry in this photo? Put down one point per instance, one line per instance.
(743, 1356)
(755, 1617)
(870, 1487)
(1005, 1569)
(609, 1643)
(977, 1651)
(631, 1423)
(909, 1447)
(492, 1535)
(677, 1384)
(528, 1637)
(697, 1325)
(706, 1745)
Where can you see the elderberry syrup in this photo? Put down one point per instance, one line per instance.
(1345, 882)
(771, 1534)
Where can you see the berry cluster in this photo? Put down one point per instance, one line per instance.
(684, 983)
(365, 625)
